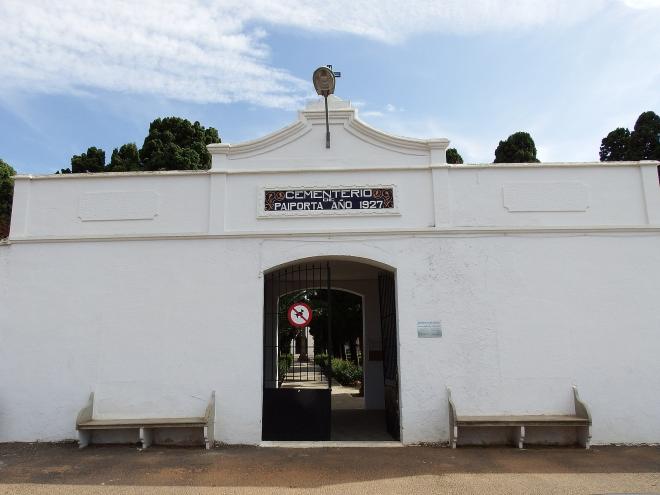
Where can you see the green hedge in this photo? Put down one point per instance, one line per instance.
(321, 360)
(283, 365)
(346, 372)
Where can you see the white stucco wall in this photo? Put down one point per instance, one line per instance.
(524, 317)
(543, 276)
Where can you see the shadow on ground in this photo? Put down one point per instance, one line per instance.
(284, 467)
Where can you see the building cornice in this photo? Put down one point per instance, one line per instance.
(340, 113)
(356, 233)
(462, 166)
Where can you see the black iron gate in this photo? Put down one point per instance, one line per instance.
(387, 297)
(296, 393)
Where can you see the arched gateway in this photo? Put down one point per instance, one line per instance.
(307, 327)
(507, 283)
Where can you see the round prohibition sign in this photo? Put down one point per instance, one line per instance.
(299, 314)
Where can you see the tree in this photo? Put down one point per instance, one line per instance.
(643, 143)
(125, 159)
(6, 196)
(346, 321)
(174, 143)
(614, 147)
(92, 161)
(518, 148)
(453, 156)
(645, 138)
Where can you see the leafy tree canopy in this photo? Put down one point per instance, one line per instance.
(174, 143)
(346, 320)
(453, 156)
(6, 196)
(518, 148)
(645, 137)
(125, 159)
(92, 161)
(614, 147)
(643, 143)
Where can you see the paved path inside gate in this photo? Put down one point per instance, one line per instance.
(58, 469)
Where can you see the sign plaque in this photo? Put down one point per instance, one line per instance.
(429, 329)
(349, 200)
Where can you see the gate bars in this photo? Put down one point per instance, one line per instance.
(298, 358)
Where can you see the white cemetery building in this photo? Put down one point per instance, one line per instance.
(506, 283)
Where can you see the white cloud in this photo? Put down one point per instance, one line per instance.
(182, 50)
(392, 21)
(217, 51)
(642, 4)
(372, 113)
(387, 109)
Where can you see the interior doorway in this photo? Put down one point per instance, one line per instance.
(330, 356)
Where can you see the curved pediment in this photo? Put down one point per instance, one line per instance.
(353, 143)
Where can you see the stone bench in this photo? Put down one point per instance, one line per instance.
(86, 422)
(581, 420)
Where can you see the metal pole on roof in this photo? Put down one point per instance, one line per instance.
(324, 83)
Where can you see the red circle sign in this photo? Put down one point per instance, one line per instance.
(299, 314)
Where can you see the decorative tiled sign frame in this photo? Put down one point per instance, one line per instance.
(302, 201)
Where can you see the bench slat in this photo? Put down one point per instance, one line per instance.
(581, 420)
(85, 424)
(525, 420)
(110, 424)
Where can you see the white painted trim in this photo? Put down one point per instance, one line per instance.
(330, 444)
(267, 171)
(392, 142)
(427, 233)
(485, 166)
(651, 194)
(263, 214)
(642, 163)
(262, 145)
(432, 166)
(338, 115)
(111, 175)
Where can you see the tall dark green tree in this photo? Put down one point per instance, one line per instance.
(174, 143)
(6, 196)
(453, 156)
(645, 137)
(92, 161)
(125, 159)
(517, 148)
(643, 143)
(615, 146)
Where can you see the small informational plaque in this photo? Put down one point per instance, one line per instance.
(342, 200)
(429, 329)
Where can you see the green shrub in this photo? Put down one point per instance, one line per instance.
(283, 365)
(346, 372)
(321, 360)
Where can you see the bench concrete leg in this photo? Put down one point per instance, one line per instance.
(84, 437)
(584, 436)
(453, 436)
(519, 436)
(209, 436)
(146, 437)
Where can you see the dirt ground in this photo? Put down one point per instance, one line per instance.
(51, 468)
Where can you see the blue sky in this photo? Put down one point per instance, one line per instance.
(79, 73)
